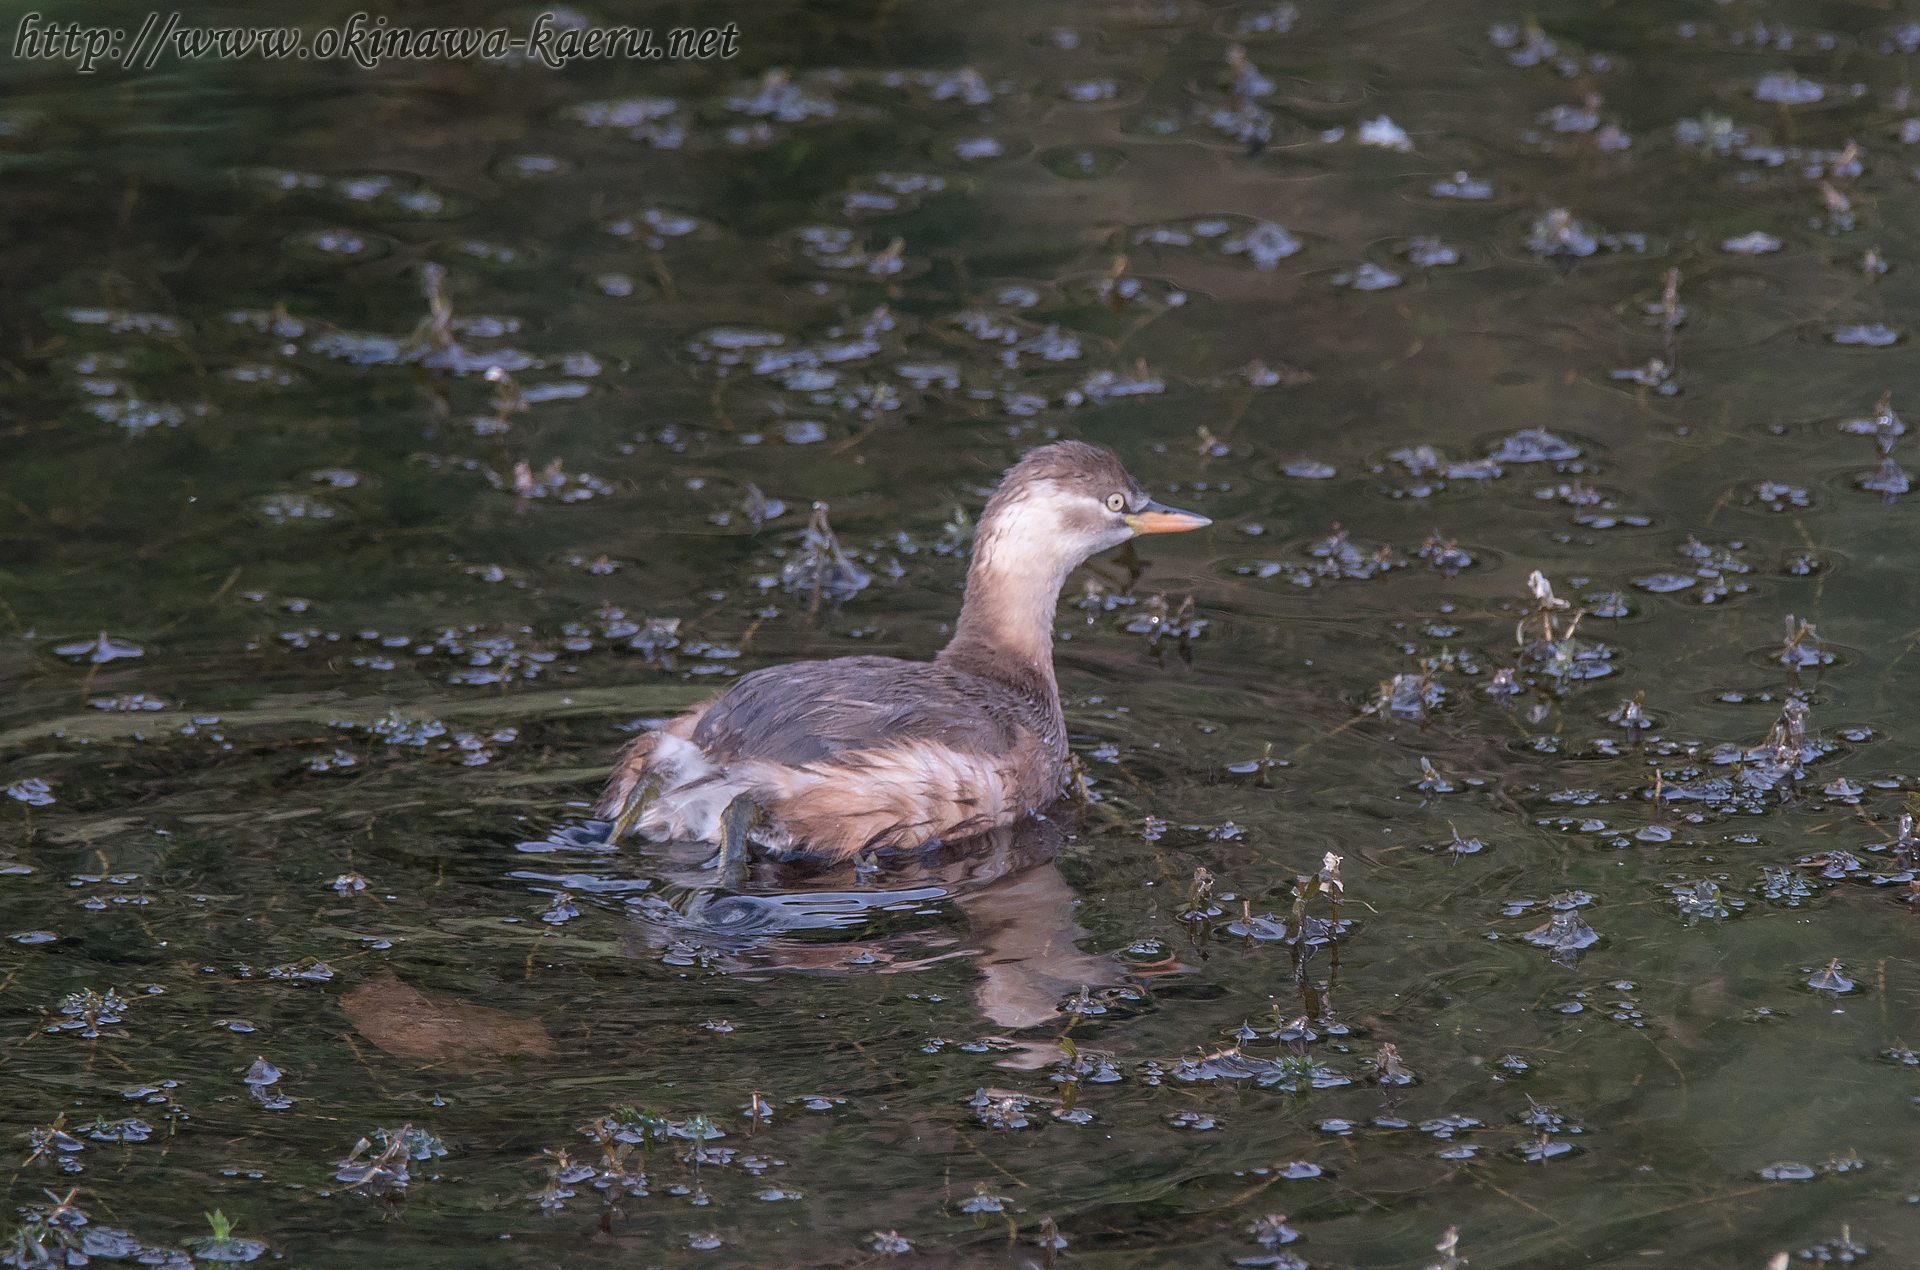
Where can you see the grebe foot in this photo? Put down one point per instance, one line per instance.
(638, 799)
(737, 820)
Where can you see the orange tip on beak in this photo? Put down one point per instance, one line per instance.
(1155, 519)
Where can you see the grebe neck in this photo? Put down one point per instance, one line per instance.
(1005, 631)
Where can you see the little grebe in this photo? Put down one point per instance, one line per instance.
(833, 757)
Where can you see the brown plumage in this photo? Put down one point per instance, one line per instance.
(872, 752)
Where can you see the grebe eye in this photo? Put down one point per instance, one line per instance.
(1116, 503)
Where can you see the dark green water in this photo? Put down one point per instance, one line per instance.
(242, 439)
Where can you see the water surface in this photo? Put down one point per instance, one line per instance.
(321, 639)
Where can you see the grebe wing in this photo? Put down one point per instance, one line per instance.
(809, 712)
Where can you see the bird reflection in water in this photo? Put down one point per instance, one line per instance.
(1023, 937)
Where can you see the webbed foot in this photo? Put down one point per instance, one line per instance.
(736, 822)
(638, 799)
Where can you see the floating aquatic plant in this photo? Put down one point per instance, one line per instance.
(1829, 979)
(100, 649)
(34, 791)
(820, 569)
(223, 1244)
(87, 1010)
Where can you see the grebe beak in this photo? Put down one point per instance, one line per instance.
(1155, 519)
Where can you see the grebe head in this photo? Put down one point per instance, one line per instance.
(1058, 505)
(1069, 500)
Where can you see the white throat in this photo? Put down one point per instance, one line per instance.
(1021, 558)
